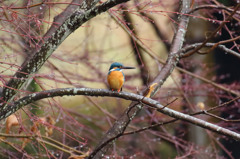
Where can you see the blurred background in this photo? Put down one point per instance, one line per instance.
(137, 33)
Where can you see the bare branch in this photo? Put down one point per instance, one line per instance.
(120, 125)
(30, 66)
(215, 45)
(26, 35)
(213, 7)
(125, 95)
(136, 48)
(215, 31)
(192, 114)
(150, 53)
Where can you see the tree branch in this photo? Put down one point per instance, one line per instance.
(120, 125)
(192, 114)
(151, 54)
(136, 48)
(80, 16)
(213, 7)
(124, 95)
(215, 31)
(215, 45)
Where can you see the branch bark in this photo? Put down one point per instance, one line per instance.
(34, 63)
(215, 31)
(151, 54)
(124, 95)
(222, 47)
(120, 125)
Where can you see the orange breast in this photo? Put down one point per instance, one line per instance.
(115, 80)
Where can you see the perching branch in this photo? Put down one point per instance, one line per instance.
(183, 50)
(124, 122)
(124, 95)
(120, 125)
(34, 63)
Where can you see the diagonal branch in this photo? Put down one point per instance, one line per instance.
(215, 31)
(120, 125)
(34, 63)
(192, 114)
(135, 46)
(183, 50)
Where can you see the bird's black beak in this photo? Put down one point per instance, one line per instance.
(126, 67)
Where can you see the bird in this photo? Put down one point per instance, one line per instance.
(116, 77)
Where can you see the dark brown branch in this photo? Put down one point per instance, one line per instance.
(220, 118)
(136, 48)
(155, 27)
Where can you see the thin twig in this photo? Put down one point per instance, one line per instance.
(54, 143)
(183, 51)
(212, 6)
(215, 31)
(171, 121)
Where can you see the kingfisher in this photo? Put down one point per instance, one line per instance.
(116, 77)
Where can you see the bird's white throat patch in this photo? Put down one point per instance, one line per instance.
(114, 69)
